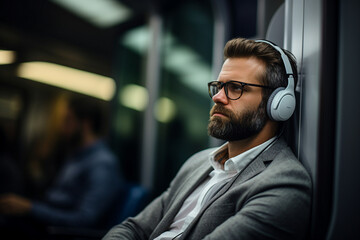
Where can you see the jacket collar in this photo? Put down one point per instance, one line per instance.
(255, 167)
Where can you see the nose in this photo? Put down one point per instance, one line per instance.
(220, 97)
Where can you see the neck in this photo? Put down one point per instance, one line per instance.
(88, 139)
(237, 147)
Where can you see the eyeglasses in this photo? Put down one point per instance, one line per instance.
(233, 89)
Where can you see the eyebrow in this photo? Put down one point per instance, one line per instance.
(250, 84)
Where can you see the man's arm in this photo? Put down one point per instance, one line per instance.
(101, 188)
(144, 224)
(262, 218)
(141, 226)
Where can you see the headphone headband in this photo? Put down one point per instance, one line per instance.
(284, 57)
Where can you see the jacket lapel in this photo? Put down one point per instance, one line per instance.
(255, 167)
(187, 187)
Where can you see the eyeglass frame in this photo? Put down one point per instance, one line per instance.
(242, 84)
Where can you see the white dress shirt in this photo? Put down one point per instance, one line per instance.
(219, 176)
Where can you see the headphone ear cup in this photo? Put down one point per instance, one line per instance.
(270, 101)
(281, 104)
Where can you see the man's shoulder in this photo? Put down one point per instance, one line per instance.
(282, 154)
(283, 162)
(102, 155)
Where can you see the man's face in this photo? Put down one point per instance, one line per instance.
(239, 119)
(71, 129)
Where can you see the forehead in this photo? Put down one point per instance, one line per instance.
(245, 69)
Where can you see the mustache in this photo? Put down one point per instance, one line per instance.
(221, 109)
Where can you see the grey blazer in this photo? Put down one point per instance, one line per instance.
(268, 199)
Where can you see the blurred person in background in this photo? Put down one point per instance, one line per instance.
(88, 182)
(10, 176)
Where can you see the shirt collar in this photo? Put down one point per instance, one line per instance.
(238, 162)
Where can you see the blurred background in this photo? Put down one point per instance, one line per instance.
(147, 62)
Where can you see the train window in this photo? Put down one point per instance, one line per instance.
(169, 111)
(185, 70)
(131, 99)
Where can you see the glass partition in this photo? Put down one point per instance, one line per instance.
(183, 106)
(179, 112)
(131, 99)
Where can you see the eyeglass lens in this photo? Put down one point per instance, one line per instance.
(232, 90)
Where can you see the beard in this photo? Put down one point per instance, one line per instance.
(236, 127)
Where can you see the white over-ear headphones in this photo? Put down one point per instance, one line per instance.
(281, 103)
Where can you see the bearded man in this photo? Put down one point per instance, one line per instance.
(252, 187)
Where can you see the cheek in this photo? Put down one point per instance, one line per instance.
(246, 105)
(253, 97)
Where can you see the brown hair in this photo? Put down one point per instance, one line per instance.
(275, 74)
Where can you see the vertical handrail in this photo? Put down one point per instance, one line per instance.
(152, 81)
(221, 34)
